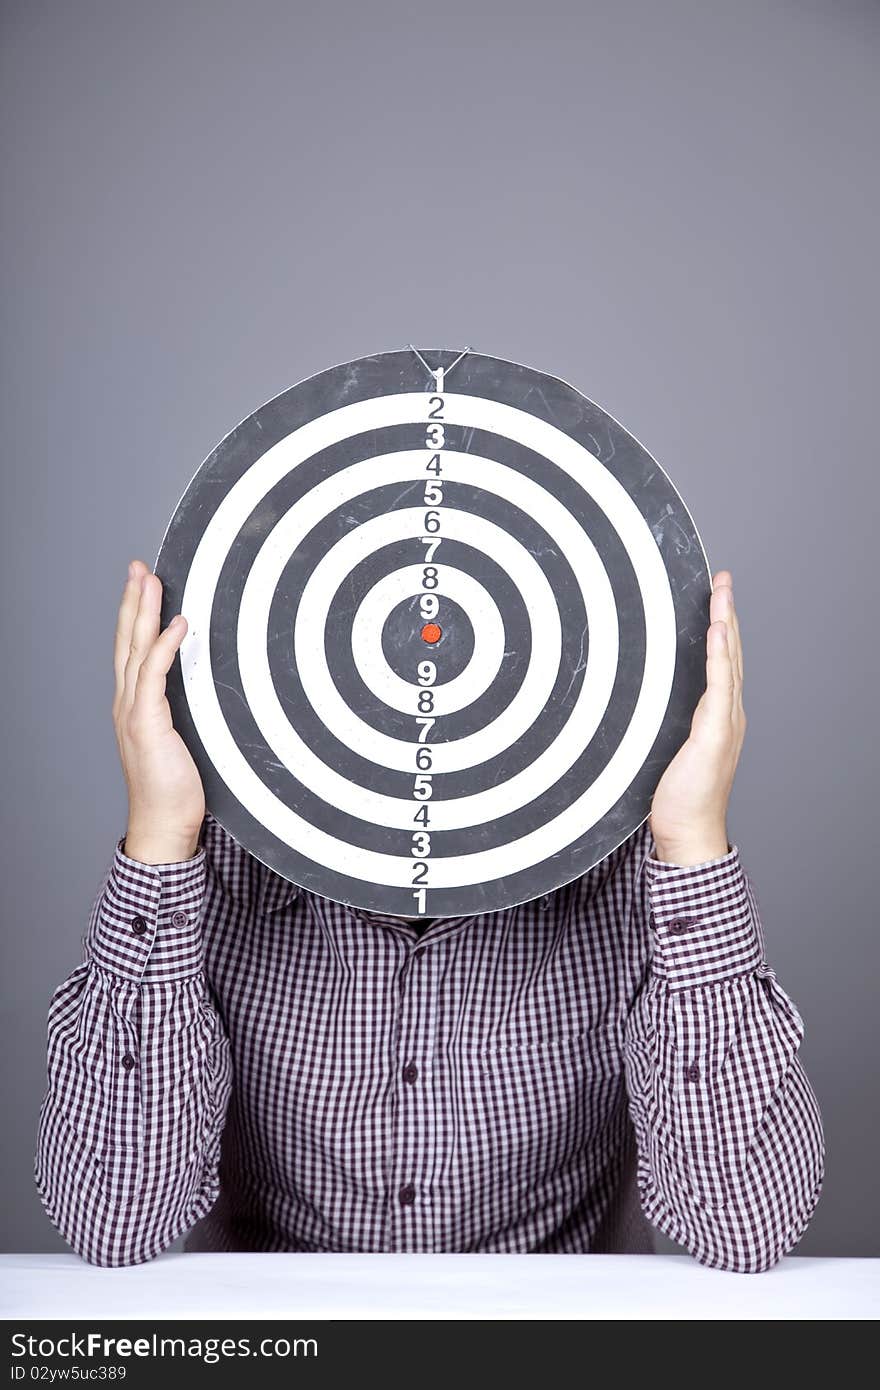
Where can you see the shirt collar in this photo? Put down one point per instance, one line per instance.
(274, 892)
(440, 926)
(326, 908)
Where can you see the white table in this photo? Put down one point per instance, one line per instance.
(434, 1286)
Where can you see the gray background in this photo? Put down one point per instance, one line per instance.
(673, 206)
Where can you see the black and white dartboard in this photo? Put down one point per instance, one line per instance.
(446, 629)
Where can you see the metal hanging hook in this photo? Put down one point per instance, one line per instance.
(440, 373)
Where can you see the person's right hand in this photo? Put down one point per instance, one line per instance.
(166, 801)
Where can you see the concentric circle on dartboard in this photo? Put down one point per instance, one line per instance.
(446, 629)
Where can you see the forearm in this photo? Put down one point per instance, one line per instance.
(730, 1136)
(138, 1074)
(732, 1154)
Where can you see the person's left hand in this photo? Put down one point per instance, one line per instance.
(688, 817)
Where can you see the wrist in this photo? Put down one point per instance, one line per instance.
(152, 849)
(693, 849)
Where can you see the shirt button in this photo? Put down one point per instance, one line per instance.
(179, 919)
(128, 1061)
(678, 926)
(410, 1073)
(407, 1195)
(693, 1072)
(138, 925)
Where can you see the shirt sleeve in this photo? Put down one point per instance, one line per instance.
(730, 1139)
(138, 1070)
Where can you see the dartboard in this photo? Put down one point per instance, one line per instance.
(446, 629)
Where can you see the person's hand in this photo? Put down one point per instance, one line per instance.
(166, 801)
(689, 809)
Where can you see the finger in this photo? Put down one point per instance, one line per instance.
(150, 691)
(732, 620)
(144, 631)
(717, 701)
(128, 608)
(722, 608)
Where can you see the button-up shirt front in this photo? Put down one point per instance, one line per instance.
(283, 1072)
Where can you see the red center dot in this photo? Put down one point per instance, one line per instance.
(431, 633)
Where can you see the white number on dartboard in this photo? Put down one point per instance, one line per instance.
(429, 607)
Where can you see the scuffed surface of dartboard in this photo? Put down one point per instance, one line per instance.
(445, 633)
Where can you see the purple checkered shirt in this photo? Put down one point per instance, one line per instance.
(281, 1072)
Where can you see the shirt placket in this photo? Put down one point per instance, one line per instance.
(414, 1142)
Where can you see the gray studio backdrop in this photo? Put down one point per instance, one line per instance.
(673, 206)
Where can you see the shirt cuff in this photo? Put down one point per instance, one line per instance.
(704, 921)
(147, 926)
